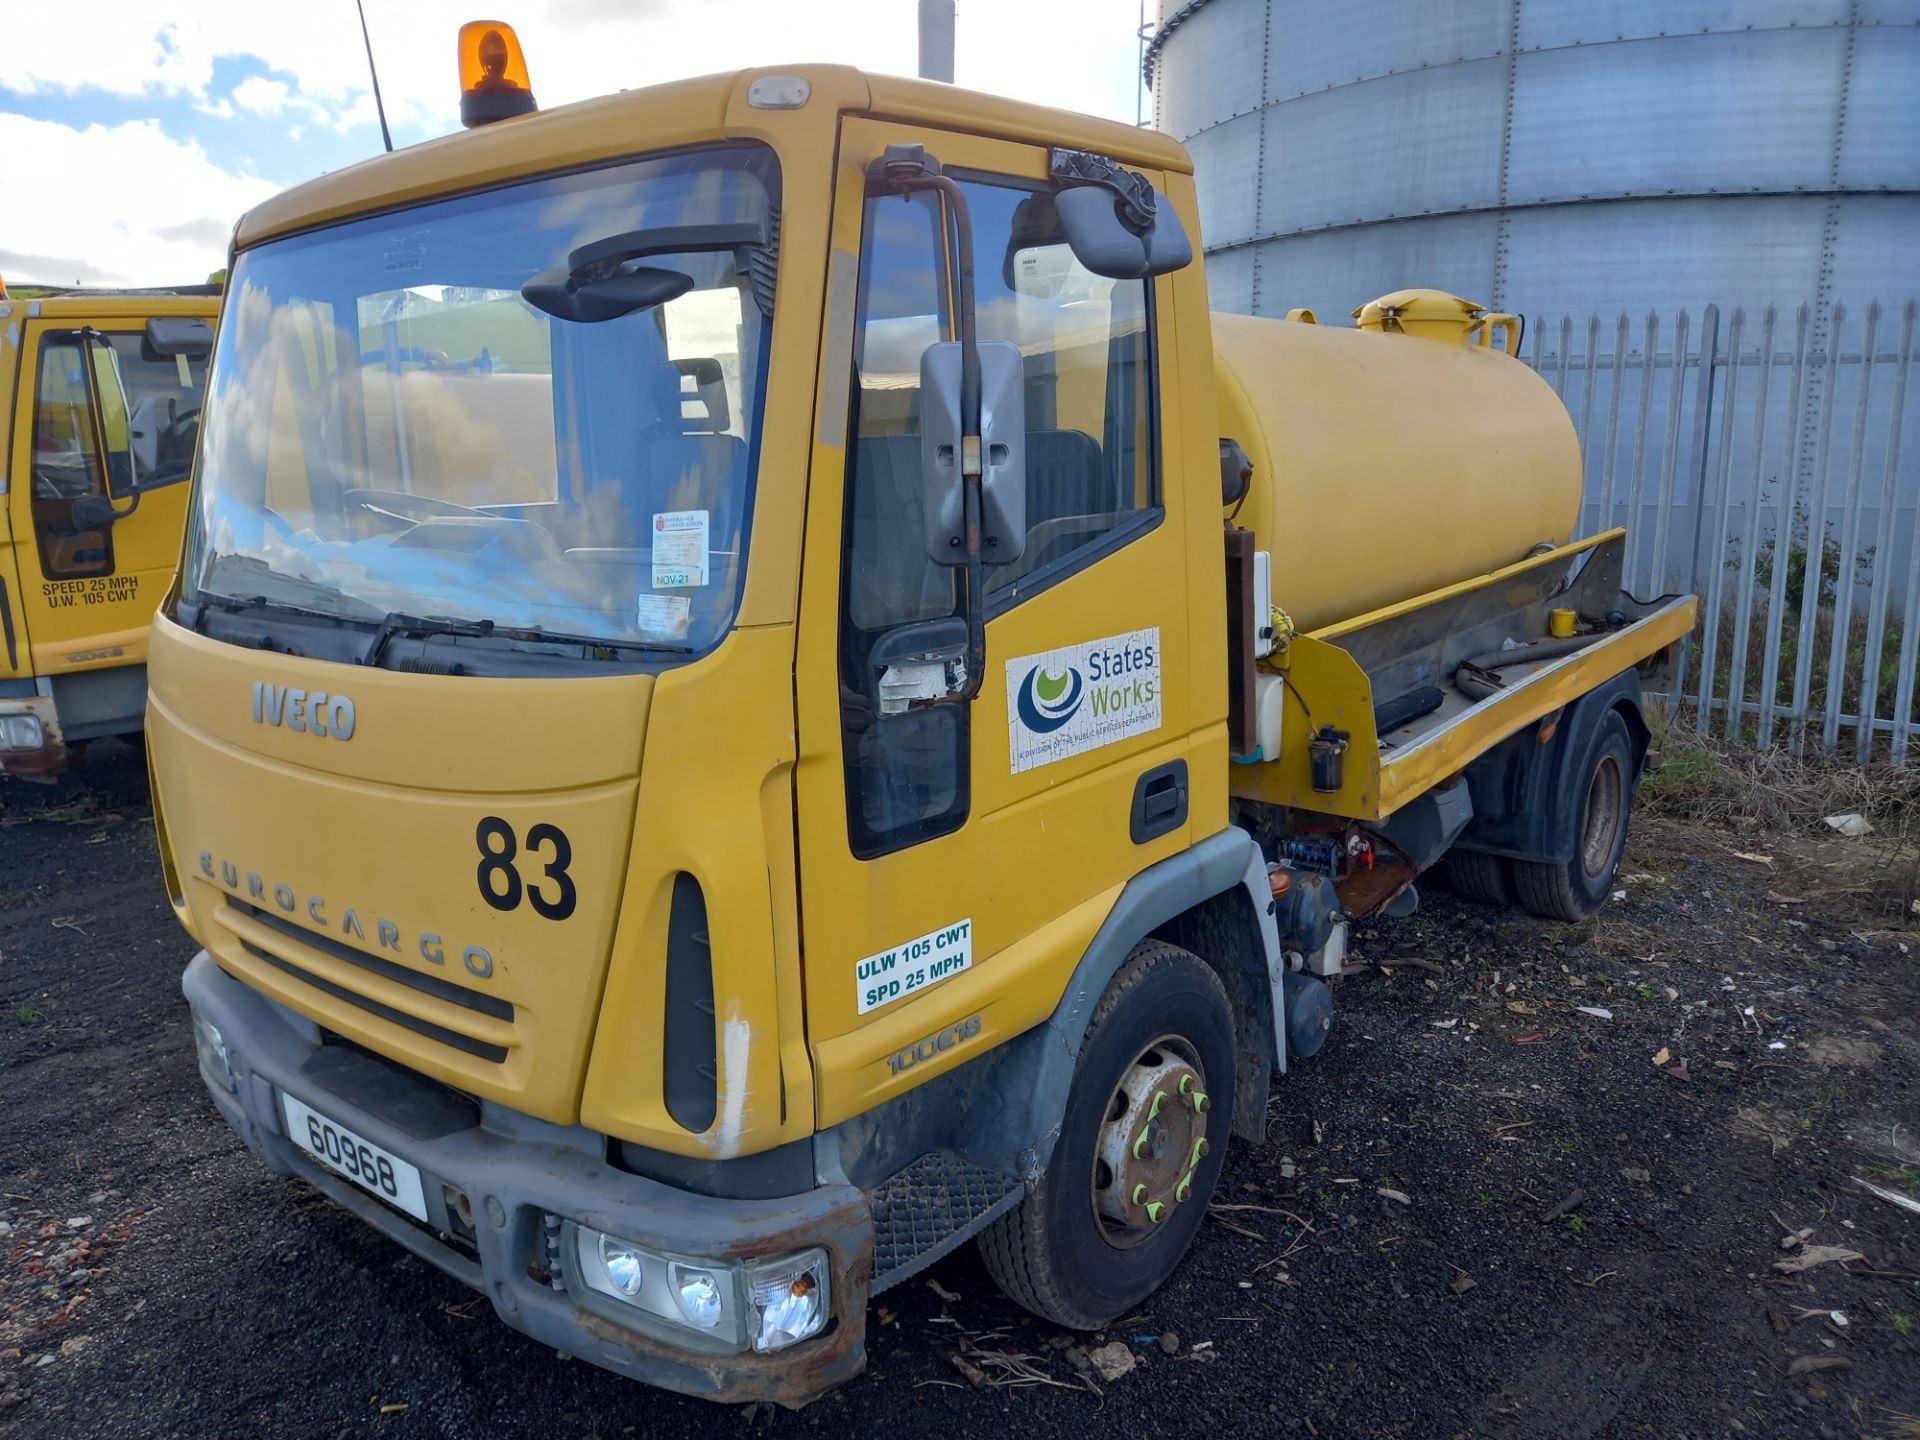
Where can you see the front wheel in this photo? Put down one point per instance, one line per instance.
(1574, 889)
(1141, 1146)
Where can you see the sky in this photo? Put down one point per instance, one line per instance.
(133, 134)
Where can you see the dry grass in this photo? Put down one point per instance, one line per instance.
(1704, 778)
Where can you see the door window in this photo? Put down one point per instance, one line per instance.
(66, 463)
(161, 394)
(1087, 357)
(150, 416)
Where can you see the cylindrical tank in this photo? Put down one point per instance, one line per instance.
(1575, 156)
(1387, 463)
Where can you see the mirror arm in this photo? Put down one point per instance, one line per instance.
(907, 173)
(1132, 192)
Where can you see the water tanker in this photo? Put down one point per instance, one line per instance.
(692, 815)
(1386, 464)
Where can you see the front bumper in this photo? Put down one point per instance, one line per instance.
(514, 1172)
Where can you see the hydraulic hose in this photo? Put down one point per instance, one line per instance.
(1477, 676)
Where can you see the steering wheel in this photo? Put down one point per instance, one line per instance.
(396, 505)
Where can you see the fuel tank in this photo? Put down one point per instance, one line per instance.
(1392, 459)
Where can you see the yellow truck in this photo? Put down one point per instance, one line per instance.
(758, 690)
(102, 393)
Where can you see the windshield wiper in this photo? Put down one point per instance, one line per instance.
(243, 573)
(422, 626)
(241, 604)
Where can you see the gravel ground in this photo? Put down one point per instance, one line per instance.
(1484, 1212)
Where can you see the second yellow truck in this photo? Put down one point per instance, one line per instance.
(758, 690)
(100, 395)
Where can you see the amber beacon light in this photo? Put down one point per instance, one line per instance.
(493, 74)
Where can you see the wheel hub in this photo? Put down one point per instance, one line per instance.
(1606, 802)
(1152, 1140)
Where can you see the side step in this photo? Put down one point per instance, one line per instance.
(930, 1208)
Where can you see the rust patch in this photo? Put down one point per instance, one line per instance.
(46, 763)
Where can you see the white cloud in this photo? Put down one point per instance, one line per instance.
(261, 95)
(1078, 54)
(151, 197)
(158, 210)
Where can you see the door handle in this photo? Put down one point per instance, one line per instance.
(1159, 802)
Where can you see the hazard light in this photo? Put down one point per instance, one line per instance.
(493, 74)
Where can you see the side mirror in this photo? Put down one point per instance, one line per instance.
(1003, 443)
(1114, 220)
(920, 663)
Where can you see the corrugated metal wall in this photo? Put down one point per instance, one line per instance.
(1602, 166)
(1574, 155)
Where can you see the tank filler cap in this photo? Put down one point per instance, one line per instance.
(1432, 313)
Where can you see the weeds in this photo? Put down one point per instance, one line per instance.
(1704, 778)
(1785, 630)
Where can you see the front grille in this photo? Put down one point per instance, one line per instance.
(426, 984)
(287, 960)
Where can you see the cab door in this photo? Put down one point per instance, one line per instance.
(89, 591)
(956, 860)
(15, 656)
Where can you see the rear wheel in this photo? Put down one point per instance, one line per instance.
(1573, 890)
(1477, 876)
(1141, 1145)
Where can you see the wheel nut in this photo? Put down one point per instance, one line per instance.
(1154, 1210)
(1200, 1101)
(1140, 1194)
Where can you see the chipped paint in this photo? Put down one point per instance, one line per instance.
(736, 1042)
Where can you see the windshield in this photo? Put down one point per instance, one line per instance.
(393, 429)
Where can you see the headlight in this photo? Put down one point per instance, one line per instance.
(215, 1063)
(622, 1263)
(697, 1293)
(21, 732)
(790, 1300)
(705, 1305)
(677, 1298)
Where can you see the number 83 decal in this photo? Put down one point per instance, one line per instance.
(552, 897)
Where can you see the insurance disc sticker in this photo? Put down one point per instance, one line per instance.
(663, 617)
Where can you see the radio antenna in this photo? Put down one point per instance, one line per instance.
(378, 104)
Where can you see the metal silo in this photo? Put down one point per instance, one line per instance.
(1709, 213)
(1570, 155)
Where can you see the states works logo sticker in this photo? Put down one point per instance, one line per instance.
(1067, 701)
(1047, 701)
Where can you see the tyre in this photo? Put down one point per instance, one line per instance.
(1141, 1145)
(1477, 876)
(1603, 795)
